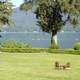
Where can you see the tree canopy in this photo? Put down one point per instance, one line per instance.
(68, 7)
(27, 5)
(5, 13)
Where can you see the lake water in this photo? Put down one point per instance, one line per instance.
(40, 39)
(68, 39)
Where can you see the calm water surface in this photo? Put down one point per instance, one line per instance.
(40, 39)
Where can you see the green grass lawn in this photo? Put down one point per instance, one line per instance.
(37, 66)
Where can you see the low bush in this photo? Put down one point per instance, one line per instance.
(14, 44)
(77, 46)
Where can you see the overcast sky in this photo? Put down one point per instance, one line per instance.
(17, 2)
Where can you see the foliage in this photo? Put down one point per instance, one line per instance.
(77, 46)
(26, 6)
(51, 14)
(5, 13)
(50, 18)
(14, 44)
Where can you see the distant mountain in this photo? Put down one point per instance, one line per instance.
(26, 22)
(23, 21)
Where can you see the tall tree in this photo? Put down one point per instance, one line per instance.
(53, 14)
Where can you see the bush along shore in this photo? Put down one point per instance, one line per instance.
(17, 47)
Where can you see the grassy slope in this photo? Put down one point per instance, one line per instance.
(38, 66)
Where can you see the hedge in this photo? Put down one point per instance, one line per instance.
(40, 50)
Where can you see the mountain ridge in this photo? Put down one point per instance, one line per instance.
(27, 22)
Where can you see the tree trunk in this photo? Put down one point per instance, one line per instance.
(54, 40)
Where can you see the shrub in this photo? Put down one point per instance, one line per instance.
(14, 44)
(77, 46)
